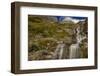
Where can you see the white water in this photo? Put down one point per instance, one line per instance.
(59, 51)
(74, 48)
(74, 51)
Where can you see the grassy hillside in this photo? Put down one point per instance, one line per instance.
(44, 33)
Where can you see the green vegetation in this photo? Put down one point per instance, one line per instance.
(44, 34)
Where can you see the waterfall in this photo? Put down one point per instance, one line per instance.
(74, 48)
(59, 51)
(74, 51)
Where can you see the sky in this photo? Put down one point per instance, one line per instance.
(73, 18)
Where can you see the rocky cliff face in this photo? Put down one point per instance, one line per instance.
(84, 44)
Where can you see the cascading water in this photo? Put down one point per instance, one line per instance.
(74, 48)
(74, 51)
(59, 51)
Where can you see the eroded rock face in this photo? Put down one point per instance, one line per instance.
(84, 42)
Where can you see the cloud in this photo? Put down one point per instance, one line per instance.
(72, 19)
